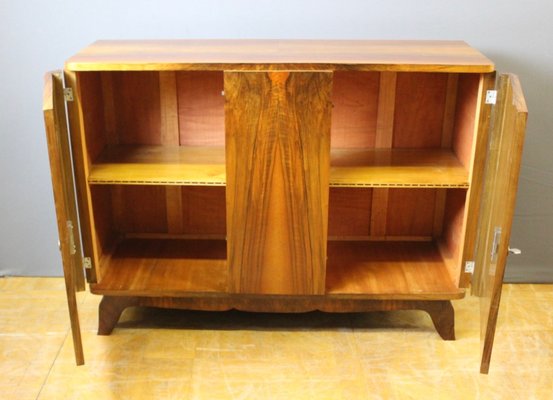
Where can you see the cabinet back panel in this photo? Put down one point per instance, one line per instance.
(201, 108)
(204, 210)
(349, 211)
(410, 212)
(136, 98)
(139, 208)
(355, 102)
(419, 110)
(465, 117)
(136, 210)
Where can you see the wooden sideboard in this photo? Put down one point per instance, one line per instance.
(284, 176)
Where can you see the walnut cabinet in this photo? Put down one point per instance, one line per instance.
(284, 176)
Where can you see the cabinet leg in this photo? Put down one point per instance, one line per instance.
(443, 317)
(110, 310)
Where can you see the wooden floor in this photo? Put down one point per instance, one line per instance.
(192, 355)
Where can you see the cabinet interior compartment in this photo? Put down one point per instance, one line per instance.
(156, 177)
(160, 239)
(401, 152)
(154, 127)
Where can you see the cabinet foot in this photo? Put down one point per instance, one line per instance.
(110, 310)
(443, 317)
(441, 311)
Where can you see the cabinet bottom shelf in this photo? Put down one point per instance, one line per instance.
(389, 270)
(164, 267)
(355, 270)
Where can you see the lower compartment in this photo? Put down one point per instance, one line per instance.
(389, 270)
(164, 267)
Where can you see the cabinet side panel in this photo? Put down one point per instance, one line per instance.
(354, 113)
(278, 129)
(93, 113)
(201, 108)
(452, 237)
(419, 110)
(465, 117)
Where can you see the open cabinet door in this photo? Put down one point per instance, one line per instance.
(498, 203)
(64, 198)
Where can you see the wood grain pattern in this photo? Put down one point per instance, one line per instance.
(159, 55)
(278, 132)
(64, 200)
(498, 204)
(399, 270)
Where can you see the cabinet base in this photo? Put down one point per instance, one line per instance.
(441, 311)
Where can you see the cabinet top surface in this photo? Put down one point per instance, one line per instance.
(383, 55)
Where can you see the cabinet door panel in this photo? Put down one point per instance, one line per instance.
(64, 198)
(498, 203)
(278, 144)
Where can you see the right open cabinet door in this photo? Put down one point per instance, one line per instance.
(498, 203)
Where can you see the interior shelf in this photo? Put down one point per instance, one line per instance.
(429, 168)
(160, 165)
(389, 270)
(186, 165)
(164, 267)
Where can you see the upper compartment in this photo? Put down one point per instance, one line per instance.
(362, 55)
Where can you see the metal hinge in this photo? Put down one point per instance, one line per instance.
(491, 96)
(469, 267)
(68, 94)
(495, 244)
(71, 235)
(87, 263)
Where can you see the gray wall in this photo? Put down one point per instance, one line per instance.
(38, 36)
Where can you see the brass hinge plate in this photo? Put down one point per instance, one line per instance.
(491, 96)
(87, 263)
(68, 94)
(71, 235)
(469, 267)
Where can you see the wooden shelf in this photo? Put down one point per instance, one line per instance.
(160, 165)
(389, 270)
(205, 166)
(164, 267)
(397, 168)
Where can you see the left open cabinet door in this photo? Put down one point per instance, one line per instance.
(64, 199)
(505, 143)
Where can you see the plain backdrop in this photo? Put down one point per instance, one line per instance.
(37, 36)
